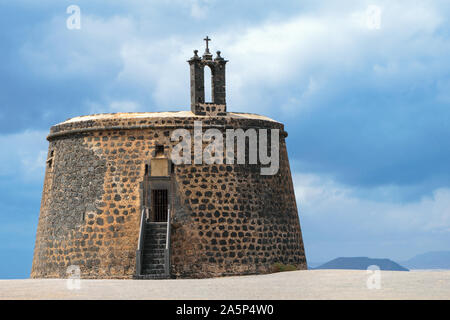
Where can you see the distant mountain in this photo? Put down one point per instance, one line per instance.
(314, 264)
(429, 260)
(361, 263)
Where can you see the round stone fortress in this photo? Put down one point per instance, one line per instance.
(116, 204)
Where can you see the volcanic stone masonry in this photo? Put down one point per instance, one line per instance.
(101, 187)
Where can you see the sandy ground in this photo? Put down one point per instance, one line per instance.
(311, 284)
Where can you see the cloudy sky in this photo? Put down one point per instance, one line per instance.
(363, 88)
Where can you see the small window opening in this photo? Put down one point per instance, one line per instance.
(159, 150)
(50, 159)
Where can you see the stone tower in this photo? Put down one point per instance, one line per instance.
(117, 203)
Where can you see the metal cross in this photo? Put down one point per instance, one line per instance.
(207, 40)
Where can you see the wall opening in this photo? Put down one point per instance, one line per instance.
(208, 84)
(50, 159)
(160, 205)
(159, 150)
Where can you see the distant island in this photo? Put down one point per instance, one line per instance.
(361, 263)
(429, 260)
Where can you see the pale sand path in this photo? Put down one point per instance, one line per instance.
(311, 284)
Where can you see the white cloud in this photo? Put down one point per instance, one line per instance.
(114, 107)
(92, 49)
(159, 67)
(24, 155)
(199, 8)
(322, 199)
(325, 45)
(309, 52)
(302, 57)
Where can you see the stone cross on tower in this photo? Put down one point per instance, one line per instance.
(207, 39)
(207, 55)
(199, 106)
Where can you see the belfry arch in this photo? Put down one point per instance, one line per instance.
(209, 83)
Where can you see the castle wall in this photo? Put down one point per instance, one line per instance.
(226, 219)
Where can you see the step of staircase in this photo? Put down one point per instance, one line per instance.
(151, 277)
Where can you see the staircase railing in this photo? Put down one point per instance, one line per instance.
(167, 250)
(139, 250)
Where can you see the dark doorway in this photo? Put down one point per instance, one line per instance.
(160, 205)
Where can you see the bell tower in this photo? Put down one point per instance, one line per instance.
(216, 107)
